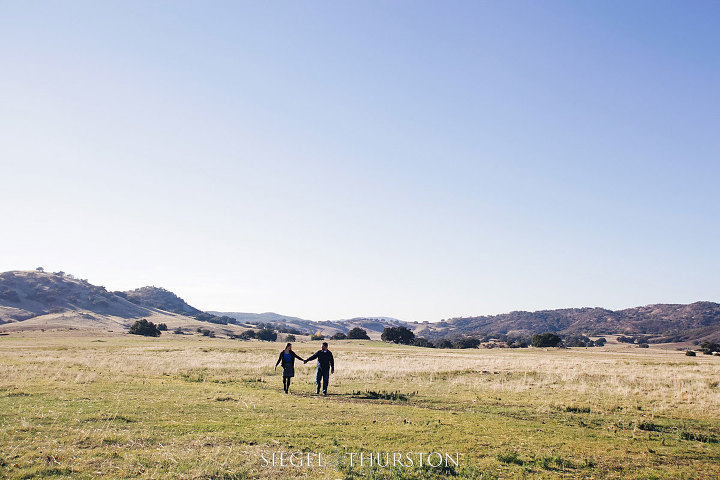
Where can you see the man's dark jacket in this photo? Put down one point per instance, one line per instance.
(324, 358)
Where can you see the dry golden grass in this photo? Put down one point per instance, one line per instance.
(204, 400)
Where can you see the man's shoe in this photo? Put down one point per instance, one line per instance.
(318, 392)
(324, 392)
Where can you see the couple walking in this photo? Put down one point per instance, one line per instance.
(325, 366)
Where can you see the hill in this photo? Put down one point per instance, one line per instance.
(156, 297)
(34, 300)
(665, 322)
(373, 325)
(28, 294)
(37, 299)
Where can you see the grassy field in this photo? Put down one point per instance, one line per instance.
(200, 408)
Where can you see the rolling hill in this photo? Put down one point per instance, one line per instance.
(665, 322)
(34, 300)
(37, 299)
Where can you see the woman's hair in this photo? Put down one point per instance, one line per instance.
(288, 345)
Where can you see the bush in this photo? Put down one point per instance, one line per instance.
(643, 345)
(709, 347)
(444, 343)
(266, 335)
(339, 336)
(468, 342)
(545, 340)
(178, 331)
(248, 334)
(690, 353)
(145, 328)
(358, 333)
(423, 342)
(162, 327)
(290, 338)
(400, 335)
(317, 336)
(578, 341)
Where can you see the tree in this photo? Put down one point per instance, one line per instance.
(546, 339)
(290, 338)
(400, 335)
(267, 335)
(358, 333)
(317, 336)
(143, 327)
(40, 269)
(339, 336)
(162, 327)
(444, 343)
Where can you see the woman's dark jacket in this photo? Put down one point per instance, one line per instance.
(285, 364)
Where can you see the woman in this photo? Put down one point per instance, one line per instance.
(287, 358)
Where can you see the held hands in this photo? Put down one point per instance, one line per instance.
(332, 370)
(304, 361)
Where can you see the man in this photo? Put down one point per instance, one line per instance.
(325, 366)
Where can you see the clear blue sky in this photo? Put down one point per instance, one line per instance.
(421, 160)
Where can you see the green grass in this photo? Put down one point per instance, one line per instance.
(199, 408)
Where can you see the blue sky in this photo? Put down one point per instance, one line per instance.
(421, 160)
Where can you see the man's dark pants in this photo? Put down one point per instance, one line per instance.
(323, 374)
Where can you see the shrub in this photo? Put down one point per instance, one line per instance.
(162, 327)
(145, 328)
(290, 338)
(690, 353)
(339, 336)
(444, 343)
(358, 333)
(178, 331)
(468, 342)
(423, 342)
(545, 340)
(578, 341)
(248, 334)
(317, 336)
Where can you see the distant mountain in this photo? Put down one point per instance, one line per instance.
(373, 325)
(666, 322)
(255, 318)
(156, 297)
